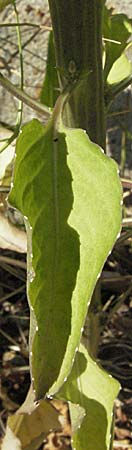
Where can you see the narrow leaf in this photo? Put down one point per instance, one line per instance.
(94, 390)
(71, 194)
(50, 89)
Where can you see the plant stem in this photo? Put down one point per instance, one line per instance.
(78, 43)
(116, 89)
(20, 107)
(77, 28)
(25, 24)
(21, 95)
(94, 321)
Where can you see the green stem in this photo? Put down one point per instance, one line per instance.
(77, 28)
(20, 107)
(94, 325)
(116, 89)
(78, 43)
(25, 24)
(21, 95)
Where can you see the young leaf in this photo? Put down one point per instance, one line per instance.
(94, 390)
(117, 29)
(120, 76)
(121, 69)
(50, 89)
(71, 194)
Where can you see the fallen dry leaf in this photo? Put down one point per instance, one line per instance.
(12, 237)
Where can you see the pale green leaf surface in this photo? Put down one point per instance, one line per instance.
(118, 28)
(50, 88)
(96, 215)
(90, 387)
(70, 192)
(121, 69)
(77, 412)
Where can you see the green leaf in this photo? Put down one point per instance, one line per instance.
(43, 192)
(71, 194)
(121, 69)
(27, 429)
(120, 76)
(92, 389)
(50, 89)
(117, 29)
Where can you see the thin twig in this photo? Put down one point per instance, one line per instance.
(5, 189)
(119, 87)
(21, 95)
(12, 294)
(124, 236)
(13, 271)
(2, 426)
(16, 369)
(20, 106)
(26, 24)
(119, 301)
(121, 445)
(127, 222)
(9, 338)
(118, 113)
(13, 262)
(126, 183)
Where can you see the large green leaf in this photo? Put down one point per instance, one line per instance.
(50, 89)
(117, 29)
(71, 194)
(94, 390)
